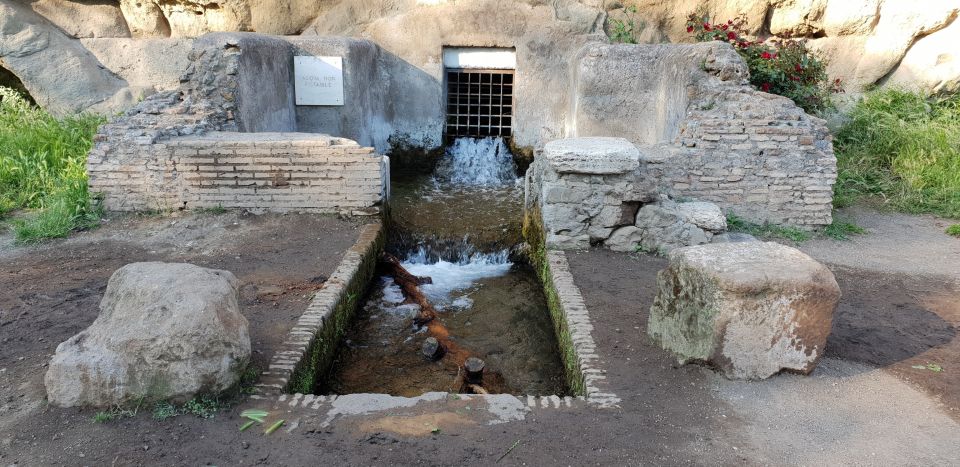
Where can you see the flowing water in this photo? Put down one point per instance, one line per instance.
(457, 227)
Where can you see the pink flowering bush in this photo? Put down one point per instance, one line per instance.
(786, 68)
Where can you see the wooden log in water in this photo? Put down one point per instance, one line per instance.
(471, 377)
(427, 316)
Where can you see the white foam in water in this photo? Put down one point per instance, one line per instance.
(391, 291)
(478, 162)
(449, 277)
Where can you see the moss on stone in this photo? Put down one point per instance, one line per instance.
(534, 234)
(322, 349)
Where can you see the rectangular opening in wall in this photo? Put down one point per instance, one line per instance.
(479, 92)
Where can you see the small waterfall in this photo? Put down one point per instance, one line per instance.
(477, 162)
(473, 171)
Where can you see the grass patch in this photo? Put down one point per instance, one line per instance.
(766, 230)
(43, 169)
(117, 412)
(213, 211)
(954, 230)
(903, 149)
(842, 230)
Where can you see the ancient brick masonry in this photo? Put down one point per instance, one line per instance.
(704, 134)
(267, 171)
(758, 155)
(189, 149)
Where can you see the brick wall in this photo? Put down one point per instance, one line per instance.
(268, 171)
(757, 155)
(704, 133)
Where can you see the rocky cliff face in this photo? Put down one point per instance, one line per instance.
(868, 42)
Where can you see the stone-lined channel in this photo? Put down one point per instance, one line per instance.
(461, 227)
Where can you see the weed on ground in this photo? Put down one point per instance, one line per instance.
(766, 230)
(903, 149)
(43, 169)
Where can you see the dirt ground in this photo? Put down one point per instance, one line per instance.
(865, 404)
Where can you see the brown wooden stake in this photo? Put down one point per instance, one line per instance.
(470, 370)
(427, 316)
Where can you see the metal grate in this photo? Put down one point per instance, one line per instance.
(479, 102)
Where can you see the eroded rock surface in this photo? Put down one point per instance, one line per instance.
(749, 309)
(165, 331)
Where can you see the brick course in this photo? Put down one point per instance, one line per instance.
(269, 171)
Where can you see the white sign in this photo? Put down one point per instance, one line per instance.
(318, 80)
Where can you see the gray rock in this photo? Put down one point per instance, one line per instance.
(624, 239)
(665, 226)
(707, 216)
(733, 237)
(596, 155)
(568, 242)
(165, 331)
(749, 309)
(60, 74)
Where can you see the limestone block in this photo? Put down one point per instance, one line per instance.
(57, 71)
(748, 309)
(850, 17)
(625, 239)
(165, 331)
(733, 237)
(563, 219)
(593, 155)
(666, 225)
(84, 19)
(794, 18)
(707, 216)
(568, 242)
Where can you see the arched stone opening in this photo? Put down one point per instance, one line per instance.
(10, 80)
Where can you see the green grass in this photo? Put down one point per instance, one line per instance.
(42, 169)
(842, 230)
(214, 211)
(903, 149)
(954, 230)
(766, 230)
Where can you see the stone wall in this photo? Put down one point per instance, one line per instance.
(704, 134)
(185, 148)
(258, 171)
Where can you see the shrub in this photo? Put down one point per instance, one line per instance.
(785, 68)
(903, 148)
(42, 168)
(627, 30)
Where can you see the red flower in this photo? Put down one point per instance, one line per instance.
(766, 56)
(765, 87)
(798, 68)
(731, 35)
(689, 28)
(706, 26)
(724, 27)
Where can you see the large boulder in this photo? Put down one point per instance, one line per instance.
(165, 331)
(84, 18)
(59, 73)
(749, 309)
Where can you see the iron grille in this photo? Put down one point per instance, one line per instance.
(479, 103)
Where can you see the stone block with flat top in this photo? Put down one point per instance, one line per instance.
(749, 309)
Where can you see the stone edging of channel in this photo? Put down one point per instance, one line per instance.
(337, 294)
(577, 321)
